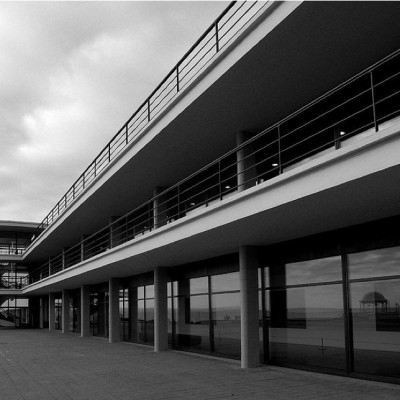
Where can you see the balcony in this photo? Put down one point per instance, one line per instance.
(228, 26)
(363, 105)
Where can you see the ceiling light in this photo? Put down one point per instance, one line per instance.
(192, 204)
(341, 133)
(227, 187)
(274, 164)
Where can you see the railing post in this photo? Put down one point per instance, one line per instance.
(109, 153)
(216, 37)
(126, 133)
(177, 78)
(373, 101)
(279, 150)
(83, 181)
(219, 180)
(95, 167)
(179, 202)
(148, 109)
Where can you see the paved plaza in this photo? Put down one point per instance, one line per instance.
(38, 364)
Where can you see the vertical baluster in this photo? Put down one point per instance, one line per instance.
(216, 37)
(373, 101)
(279, 150)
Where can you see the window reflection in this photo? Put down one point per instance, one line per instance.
(314, 271)
(225, 282)
(382, 262)
(199, 285)
(192, 327)
(375, 307)
(307, 327)
(226, 323)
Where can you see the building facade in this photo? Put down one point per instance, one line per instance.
(249, 208)
(14, 306)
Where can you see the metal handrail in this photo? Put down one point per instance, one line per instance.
(149, 109)
(221, 177)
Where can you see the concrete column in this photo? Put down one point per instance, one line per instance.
(248, 264)
(113, 304)
(160, 310)
(65, 312)
(133, 314)
(85, 311)
(247, 173)
(160, 208)
(52, 311)
(41, 312)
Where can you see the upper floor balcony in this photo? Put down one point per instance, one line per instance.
(357, 109)
(15, 237)
(287, 54)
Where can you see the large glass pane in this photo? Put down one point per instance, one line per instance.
(149, 292)
(124, 314)
(172, 287)
(94, 315)
(149, 321)
(58, 311)
(314, 271)
(226, 324)
(373, 263)
(141, 327)
(102, 313)
(225, 282)
(375, 310)
(192, 323)
(199, 285)
(306, 326)
(140, 292)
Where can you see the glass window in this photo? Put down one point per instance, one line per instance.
(375, 307)
(226, 323)
(306, 326)
(225, 282)
(149, 292)
(313, 271)
(140, 292)
(373, 263)
(192, 324)
(172, 286)
(199, 285)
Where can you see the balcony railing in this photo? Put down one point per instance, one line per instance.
(12, 249)
(234, 19)
(359, 107)
(14, 282)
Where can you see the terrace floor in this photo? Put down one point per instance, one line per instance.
(38, 364)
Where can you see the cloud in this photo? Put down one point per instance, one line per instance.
(71, 73)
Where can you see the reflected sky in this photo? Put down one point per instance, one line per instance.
(382, 262)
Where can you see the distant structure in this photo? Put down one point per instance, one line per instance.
(247, 206)
(374, 299)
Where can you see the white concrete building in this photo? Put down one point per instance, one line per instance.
(250, 207)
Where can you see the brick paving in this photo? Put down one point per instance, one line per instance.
(38, 364)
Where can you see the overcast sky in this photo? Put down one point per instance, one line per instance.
(71, 73)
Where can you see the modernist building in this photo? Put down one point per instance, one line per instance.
(250, 207)
(14, 306)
